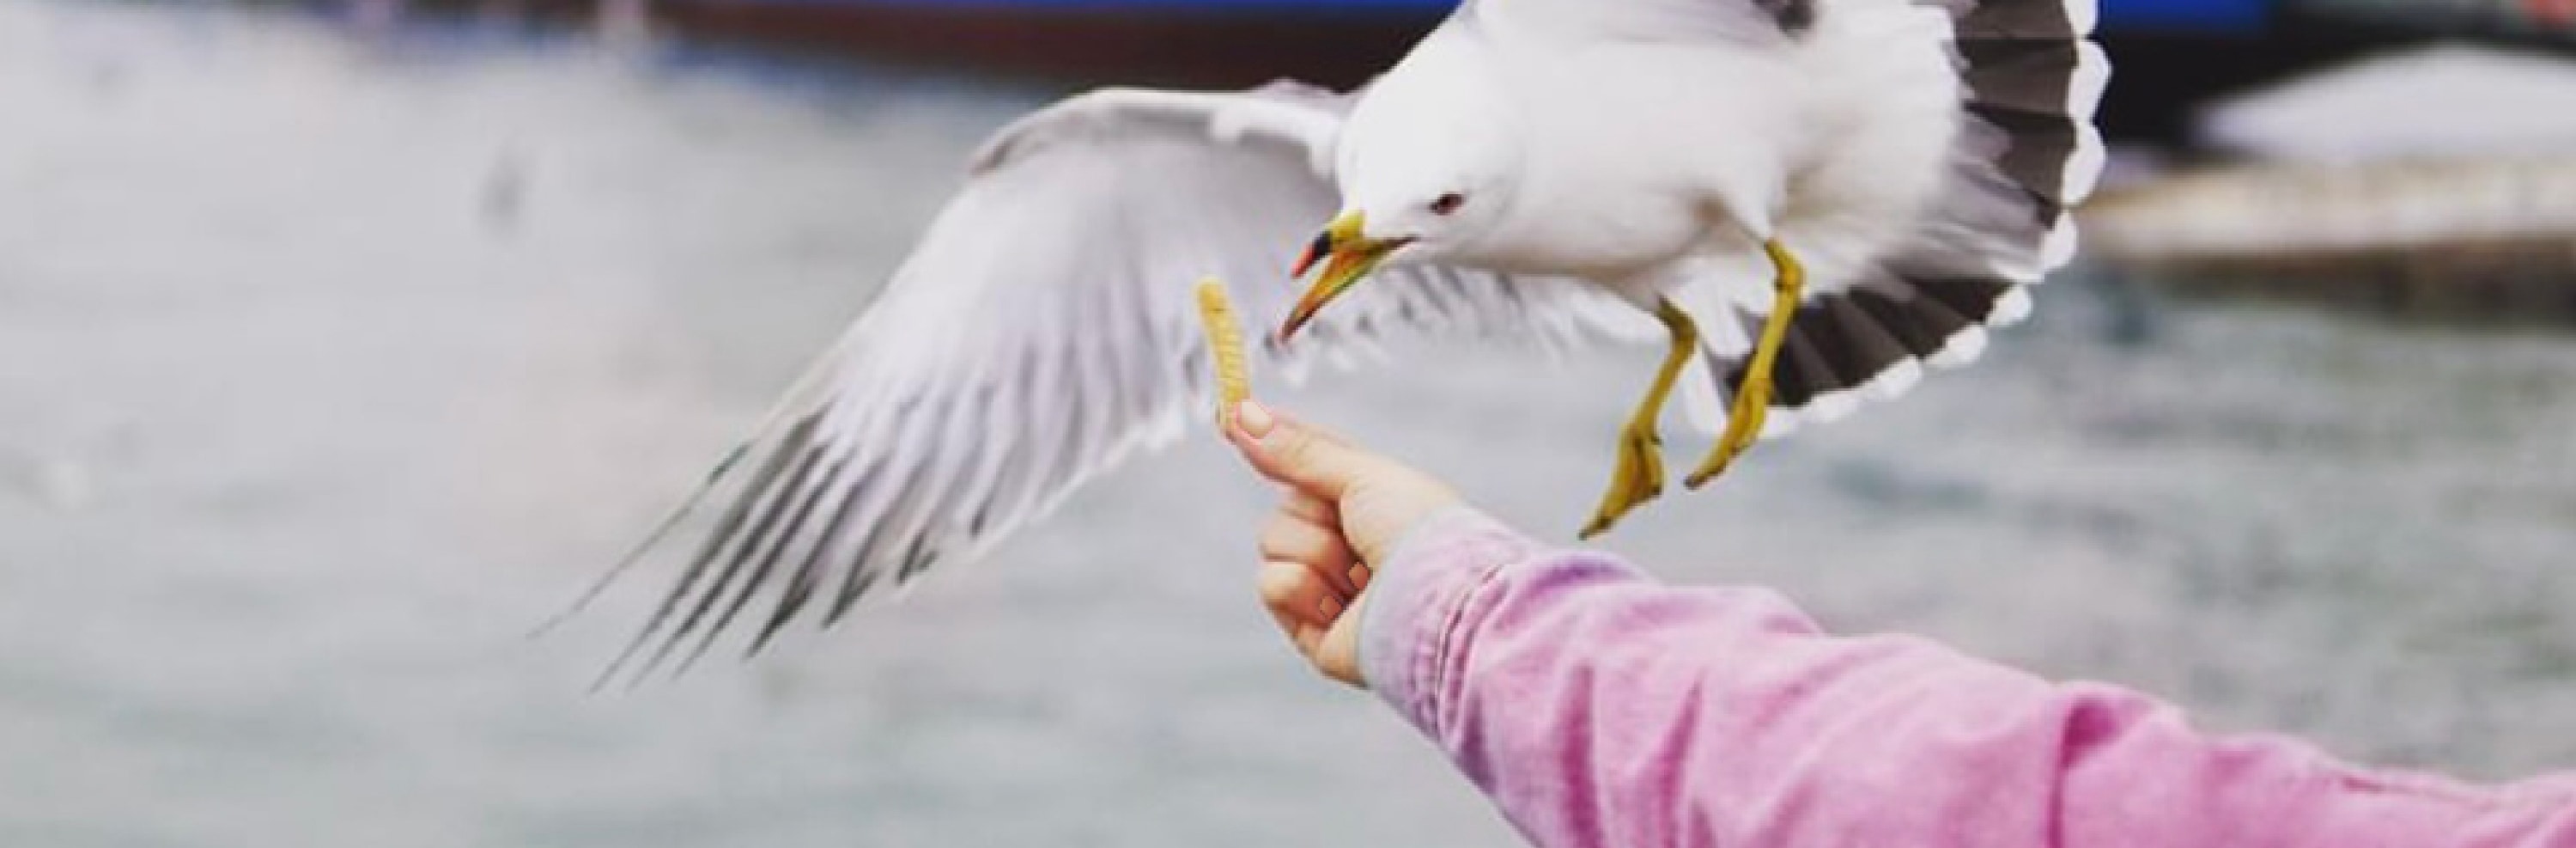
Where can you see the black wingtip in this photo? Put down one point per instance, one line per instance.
(727, 534)
(635, 555)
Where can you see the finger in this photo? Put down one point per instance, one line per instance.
(1354, 571)
(1296, 455)
(1319, 549)
(1302, 605)
(1311, 509)
(1283, 585)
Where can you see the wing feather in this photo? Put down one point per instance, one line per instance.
(1043, 330)
(2026, 152)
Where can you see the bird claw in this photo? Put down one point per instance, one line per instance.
(1743, 428)
(1637, 477)
(1753, 398)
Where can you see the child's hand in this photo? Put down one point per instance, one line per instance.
(1345, 508)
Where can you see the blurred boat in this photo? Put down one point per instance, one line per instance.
(2439, 102)
(2440, 180)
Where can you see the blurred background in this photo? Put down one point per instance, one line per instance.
(340, 344)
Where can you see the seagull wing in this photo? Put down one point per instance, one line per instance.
(2027, 152)
(2028, 78)
(1042, 330)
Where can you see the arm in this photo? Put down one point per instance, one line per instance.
(1599, 708)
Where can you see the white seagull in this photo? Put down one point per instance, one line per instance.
(1814, 198)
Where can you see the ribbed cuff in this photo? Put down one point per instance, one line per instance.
(1414, 598)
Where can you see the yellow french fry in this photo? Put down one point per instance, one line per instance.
(1225, 341)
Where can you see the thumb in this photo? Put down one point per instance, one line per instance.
(1295, 455)
(1379, 499)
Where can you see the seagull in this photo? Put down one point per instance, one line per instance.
(1813, 200)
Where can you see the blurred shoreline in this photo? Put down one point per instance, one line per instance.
(2461, 239)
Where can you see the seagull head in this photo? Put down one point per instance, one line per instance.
(1427, 164)
(1348, 253)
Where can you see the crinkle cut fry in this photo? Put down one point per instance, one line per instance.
(1225, 343)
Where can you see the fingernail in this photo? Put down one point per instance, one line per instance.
(1254, 419)
(1331, 609)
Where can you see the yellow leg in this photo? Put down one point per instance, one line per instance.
(1639, 475)
(1753, 399)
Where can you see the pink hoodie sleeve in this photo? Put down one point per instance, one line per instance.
(1599, 708)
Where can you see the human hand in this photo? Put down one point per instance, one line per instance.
(1345, 509)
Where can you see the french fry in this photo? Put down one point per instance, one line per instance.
(1225, 342)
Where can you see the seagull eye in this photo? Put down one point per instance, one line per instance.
(1448, 203)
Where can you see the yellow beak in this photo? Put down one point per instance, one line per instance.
(1349, 258)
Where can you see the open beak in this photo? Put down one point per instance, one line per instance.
(1347, 255)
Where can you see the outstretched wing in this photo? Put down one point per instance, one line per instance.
(2027, 152)
(2027, 80)
(1044, 329)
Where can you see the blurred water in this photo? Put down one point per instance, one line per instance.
(328, 366)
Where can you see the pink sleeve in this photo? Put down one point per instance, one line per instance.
(1599, 708)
